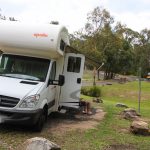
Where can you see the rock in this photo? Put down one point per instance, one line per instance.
(38, 143)
(121, 105)
(122, 80)
(139, 127)
(130, 114)
(108, 83)
(97, 100)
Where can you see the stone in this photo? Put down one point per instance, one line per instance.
(39, 143)
(130, 114)
(97, 100)
(130, 110)
(121, 105)
(139, 127)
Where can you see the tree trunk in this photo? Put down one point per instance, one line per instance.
(108, 75)
(98, 74)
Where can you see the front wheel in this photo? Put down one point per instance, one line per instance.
(40, 123)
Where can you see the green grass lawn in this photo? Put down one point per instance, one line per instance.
(128, 94)
(112, 130)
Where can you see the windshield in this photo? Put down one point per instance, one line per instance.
(23, 67)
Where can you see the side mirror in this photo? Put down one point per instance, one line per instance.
(61, 80)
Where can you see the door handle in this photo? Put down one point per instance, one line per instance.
(78, 80)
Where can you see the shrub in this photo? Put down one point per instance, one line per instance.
(93, 91)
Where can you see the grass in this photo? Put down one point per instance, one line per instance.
(128, 94)
(88, 75)
(111, 131)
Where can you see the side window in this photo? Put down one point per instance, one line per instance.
(62, 45)
(53, 71)
(74, 64)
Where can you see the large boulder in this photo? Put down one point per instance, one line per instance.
(39, 144)
(140, 127)
(130, 114)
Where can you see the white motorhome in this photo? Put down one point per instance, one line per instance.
(37, 75)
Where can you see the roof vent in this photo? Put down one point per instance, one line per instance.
(54, 22)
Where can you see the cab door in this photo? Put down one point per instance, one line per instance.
(73, 71)
(51, 89)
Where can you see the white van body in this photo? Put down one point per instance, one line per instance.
(33, 65)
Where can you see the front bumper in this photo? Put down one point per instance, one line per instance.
(24, 117)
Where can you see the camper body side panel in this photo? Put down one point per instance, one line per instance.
(37, 40)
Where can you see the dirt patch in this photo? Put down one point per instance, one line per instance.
(57, 125)
(58, 122)
(121, 147)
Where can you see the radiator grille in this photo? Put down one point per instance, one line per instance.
(6, 101)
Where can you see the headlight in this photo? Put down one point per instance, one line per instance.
(30, 102)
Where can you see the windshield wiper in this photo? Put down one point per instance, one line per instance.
(4, 75)
(17, 77)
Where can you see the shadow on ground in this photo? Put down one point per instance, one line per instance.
(61, 122)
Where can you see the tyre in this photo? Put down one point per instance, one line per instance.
(40, 123)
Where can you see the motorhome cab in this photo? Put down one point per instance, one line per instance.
(37, 76)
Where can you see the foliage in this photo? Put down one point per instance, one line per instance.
(122, 49)
(3, 17)
(93, 91)
(142, 52)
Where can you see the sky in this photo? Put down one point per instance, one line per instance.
(73, 13)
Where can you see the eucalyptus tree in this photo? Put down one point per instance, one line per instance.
(111, 45)
(142, 52)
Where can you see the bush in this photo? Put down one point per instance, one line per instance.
(93, 91)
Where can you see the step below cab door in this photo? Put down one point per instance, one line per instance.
(73, 71)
